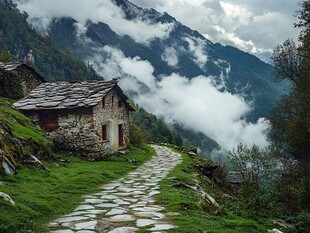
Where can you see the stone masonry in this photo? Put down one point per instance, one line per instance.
(91, 118)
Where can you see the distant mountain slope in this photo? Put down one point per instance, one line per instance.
(247, 75)
(18, 37)
(169, 69)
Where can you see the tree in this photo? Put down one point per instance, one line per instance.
(257, 168)
(290, 120)
(5, 56)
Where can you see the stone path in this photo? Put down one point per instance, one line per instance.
(126, 205)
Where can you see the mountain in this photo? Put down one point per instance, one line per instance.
(149, 51)
(18, 37)
(248, 75)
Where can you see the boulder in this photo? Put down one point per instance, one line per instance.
(7, 198)
(8, 167)
(209, 202)
(275, 231)
(33, 160)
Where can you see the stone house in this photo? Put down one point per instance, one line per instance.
(17, 79)
(89, 117)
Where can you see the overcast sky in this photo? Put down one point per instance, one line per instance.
(255, 26)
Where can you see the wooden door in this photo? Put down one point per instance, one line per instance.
(120, 135)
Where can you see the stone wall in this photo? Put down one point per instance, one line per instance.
(112, 115)
(81, 129)
(29, 79)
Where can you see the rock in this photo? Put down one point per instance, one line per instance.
(132, 160)
(281, 223)
(191, 154)
(234, 178)
(124, 230)
(209, 202)
(275, 231)
(7, 198)
(33, 160)
(8, 167)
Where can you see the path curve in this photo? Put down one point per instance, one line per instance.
(125, 205)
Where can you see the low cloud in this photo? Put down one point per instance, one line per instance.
(42, 12)
(197, 103)
(197, 47)
(170, 56)
(255, 26)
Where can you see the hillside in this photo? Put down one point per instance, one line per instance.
(18, 37)
(242, 73)
(164, 65)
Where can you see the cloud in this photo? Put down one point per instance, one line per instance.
(197, 47)
(197, 103)
(255, 26)
(170, 56)
(41, 13)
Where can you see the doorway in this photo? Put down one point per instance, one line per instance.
(121, 135)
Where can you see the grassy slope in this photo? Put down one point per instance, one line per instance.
(41, 196)
(20, 125)
(195, 218)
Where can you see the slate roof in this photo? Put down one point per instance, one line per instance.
(7, 66)
(13, 67)
(67, 95)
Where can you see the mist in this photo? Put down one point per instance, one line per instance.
(195, 103)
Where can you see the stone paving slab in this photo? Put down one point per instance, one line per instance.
(125, 205)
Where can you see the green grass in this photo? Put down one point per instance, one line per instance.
(41, 196)
(20, 125)
(193, 218)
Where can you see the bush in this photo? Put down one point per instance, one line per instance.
(258, 169)
(137, 137)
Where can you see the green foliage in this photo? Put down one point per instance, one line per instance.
(19, 136)
(193, 217)
(257, 168)
(20, 125)
(290, 120)
(18, 37)
(137, 136)
(10, 86)
(42, 196)
(5, 56)
(154, 129)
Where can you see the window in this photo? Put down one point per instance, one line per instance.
(103, 102)
(104, 132)
(119, 103)
(48, 121)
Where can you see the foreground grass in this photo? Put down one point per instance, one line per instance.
(42, 196)
(193, 218)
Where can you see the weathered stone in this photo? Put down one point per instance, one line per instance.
(122, 218)
(160, 227)
(124, 230)
(62, 231)
(71, 219)
(145, 222)
(85, 207)
(8, 167)
(7, 198)
(107, 205)
(116, 212)
(86, 225)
